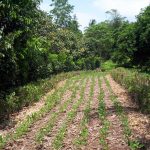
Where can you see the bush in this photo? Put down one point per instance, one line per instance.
(108, 65)
(89, 63)
(28, 94)
(137, 84)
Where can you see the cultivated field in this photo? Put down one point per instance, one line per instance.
(89, 112)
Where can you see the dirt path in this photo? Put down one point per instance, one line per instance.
(115, 137)
(94, 122)
(85, 90)
(74, 128)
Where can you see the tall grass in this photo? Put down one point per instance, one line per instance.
(137, 84)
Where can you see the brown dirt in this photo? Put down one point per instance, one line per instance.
(47, 144)
(115, 137)
(74, 128)
(94, 122)
(139, 123)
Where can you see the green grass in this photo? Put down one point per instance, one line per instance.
(108, 65)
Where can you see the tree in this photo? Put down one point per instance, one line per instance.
(116, 19)
(61, 12)
(18, 22)
(126, 45)
(74, 26)
(99, 40)
(92, 22)
(115, 22)
(142, 55)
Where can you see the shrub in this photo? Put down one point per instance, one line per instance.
(137, 84)
(89, 63)
(108, 65)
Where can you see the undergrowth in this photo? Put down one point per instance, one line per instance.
(137, 84)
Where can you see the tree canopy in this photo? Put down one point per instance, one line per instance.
(35, 44)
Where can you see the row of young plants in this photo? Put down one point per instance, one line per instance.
(58, 141)
(137, 84)
(132, 143)
(103, 132)
(51, 102)
(15, 99)
(84, 131)
(54, 116)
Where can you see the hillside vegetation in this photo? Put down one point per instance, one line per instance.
(105, 96)
(34, 44)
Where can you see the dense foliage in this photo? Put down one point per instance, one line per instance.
(127, 44)
(35, 45)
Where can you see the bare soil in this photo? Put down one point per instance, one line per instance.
(94, 122)
(115, 137)
(74, 129)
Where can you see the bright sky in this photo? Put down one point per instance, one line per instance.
(86, 10)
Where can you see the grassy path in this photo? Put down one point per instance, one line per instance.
(85, 113)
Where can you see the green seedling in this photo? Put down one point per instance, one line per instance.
(58, 141)
(51, 101)
(124, 120)
(102, 115)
